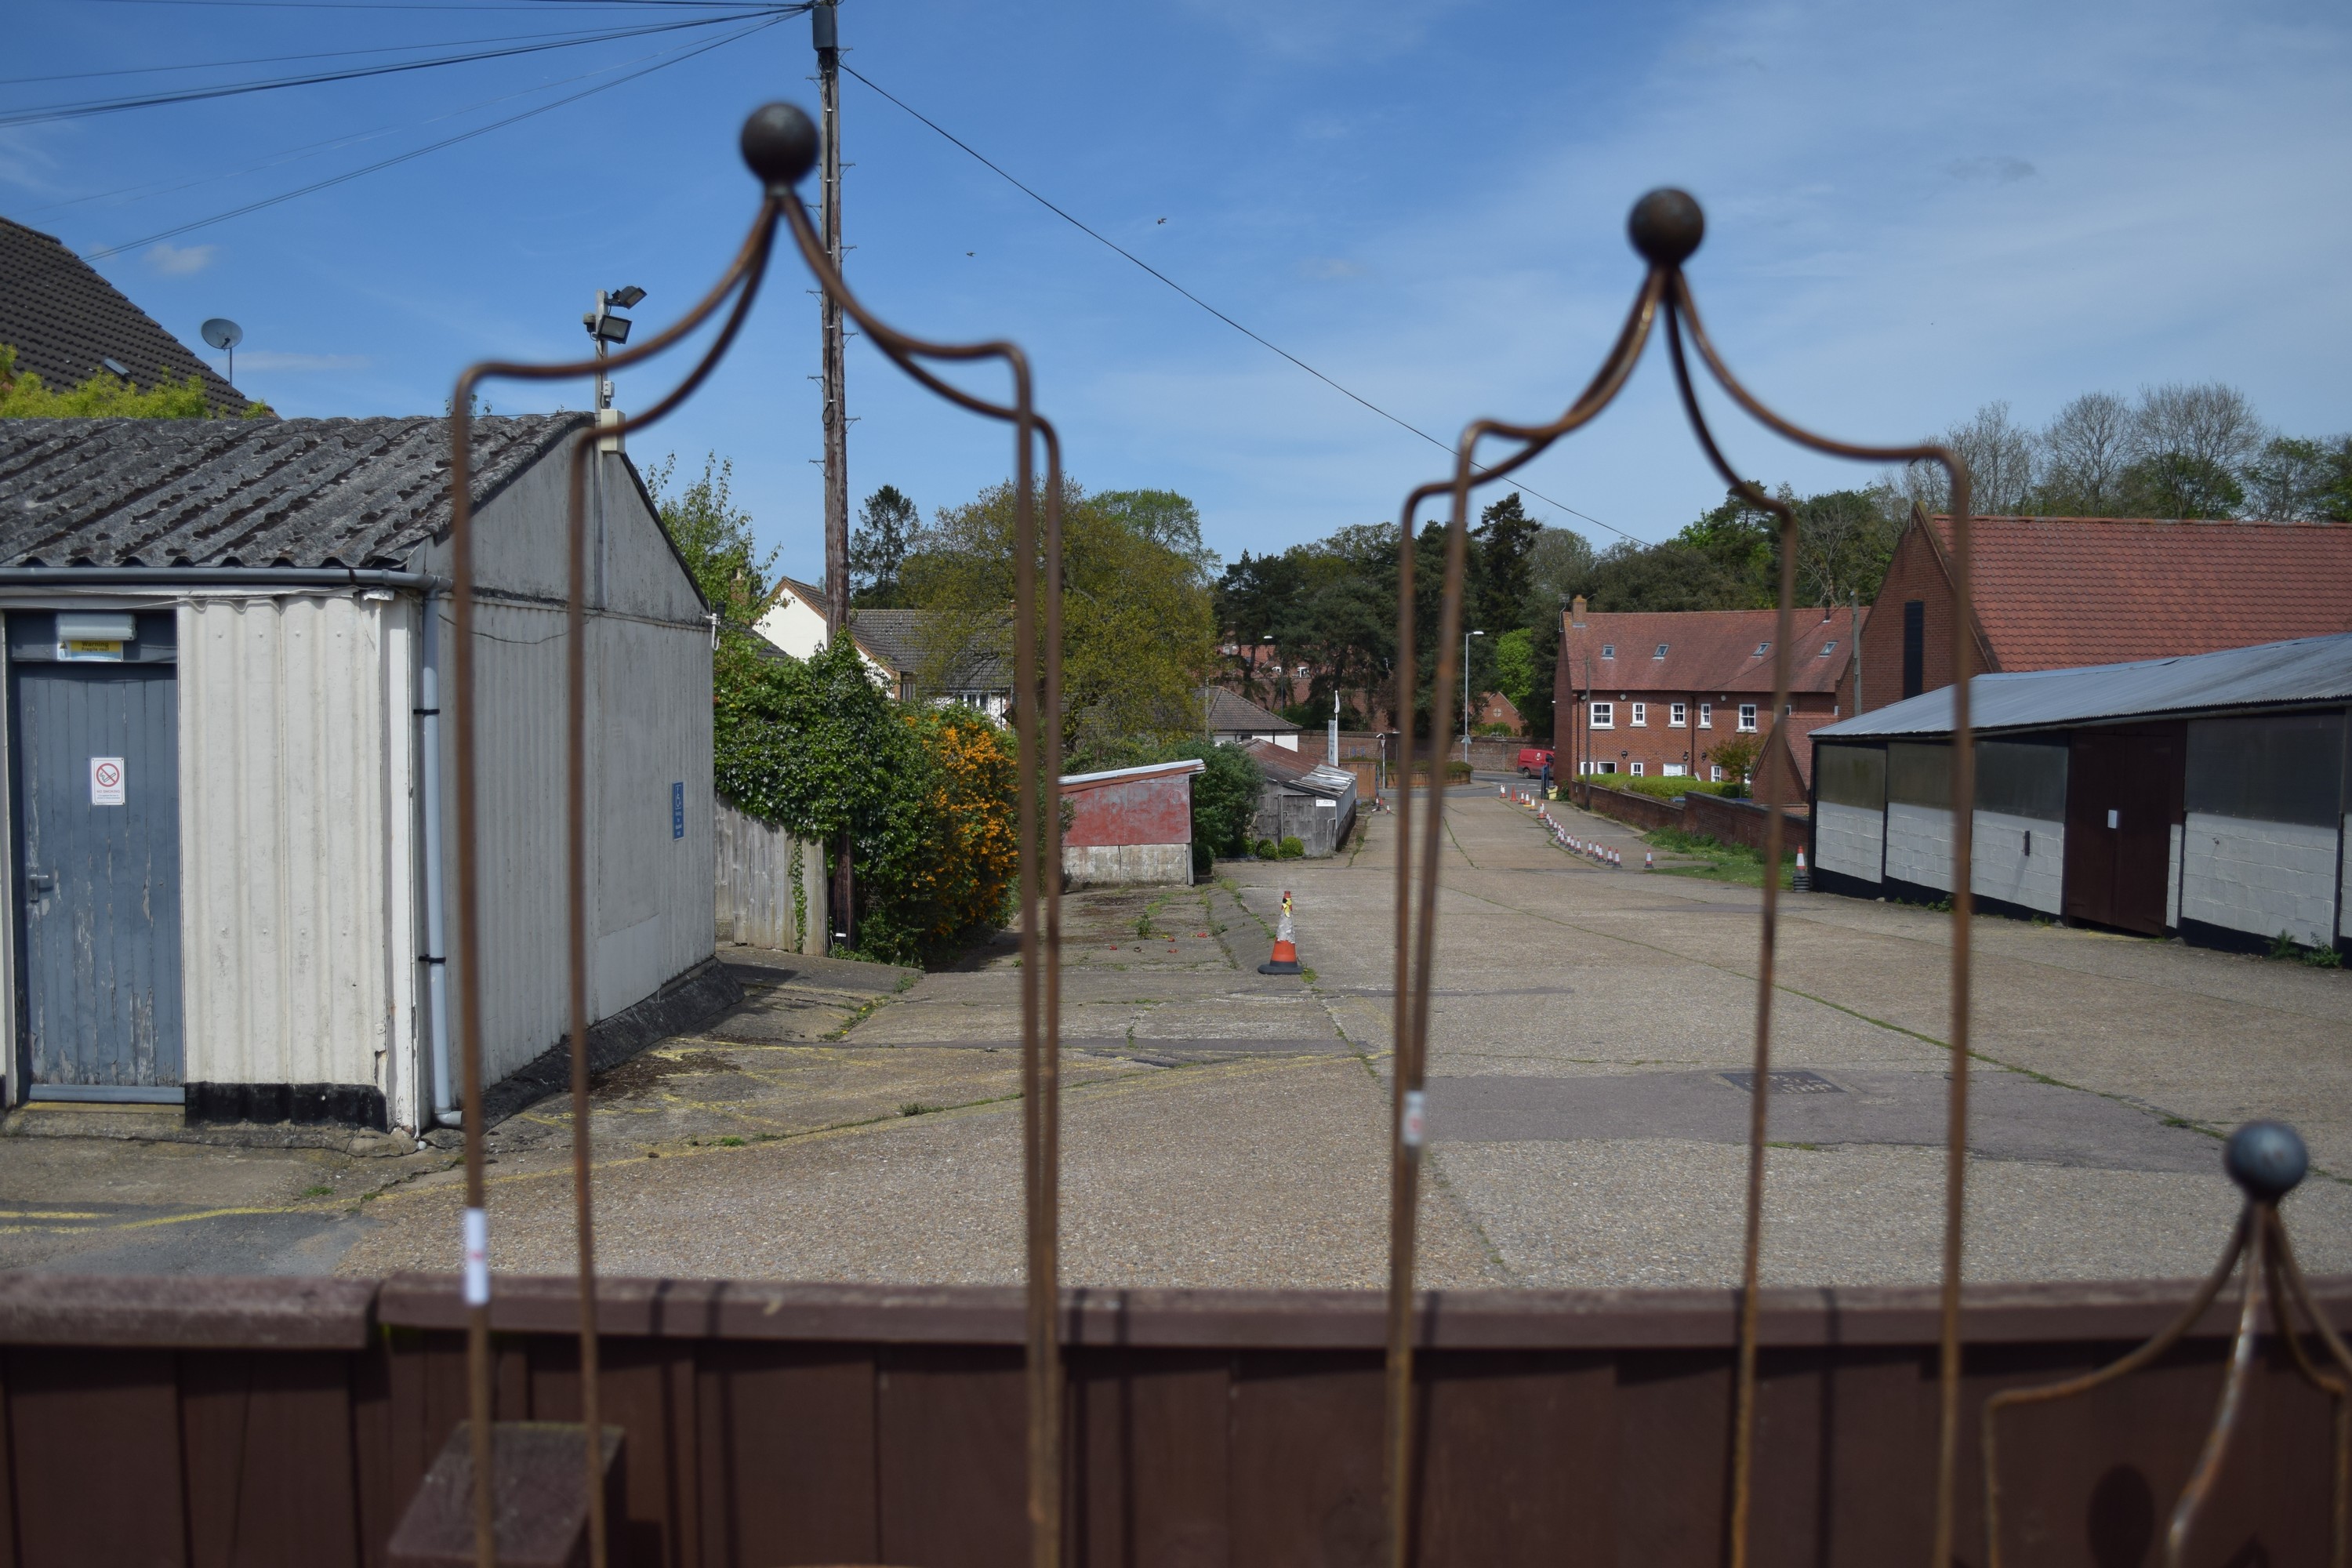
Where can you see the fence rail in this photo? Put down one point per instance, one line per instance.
(273, 1421)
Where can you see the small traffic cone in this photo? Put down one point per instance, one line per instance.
(1649, 862)
(1802, 881)
(1286, 949)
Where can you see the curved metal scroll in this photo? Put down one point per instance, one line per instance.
(2267, 1160)
(780, 144)
(1666, 226)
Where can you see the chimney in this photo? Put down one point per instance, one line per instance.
(1576, 612)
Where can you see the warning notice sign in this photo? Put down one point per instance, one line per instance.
(106, 784)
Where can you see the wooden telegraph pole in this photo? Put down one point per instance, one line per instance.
(825, 32)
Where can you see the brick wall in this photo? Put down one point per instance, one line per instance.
(1644, 812)
(1915, 573)
(1742, 822)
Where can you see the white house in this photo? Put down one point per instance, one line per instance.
(890, 642)
(236, 845)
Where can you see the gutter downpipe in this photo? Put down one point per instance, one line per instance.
(436, 956)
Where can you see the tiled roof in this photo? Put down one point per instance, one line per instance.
(244, 492)
(63, 318)
(895, 638)
(2054, 592)
(1232, 715)
(1726, 651)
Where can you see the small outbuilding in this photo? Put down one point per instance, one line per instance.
(1236, 721)
(1311, 802)
(230, 795)
(2203, 796)
(1128, 825)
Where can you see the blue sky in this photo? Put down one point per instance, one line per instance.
(1912, 210)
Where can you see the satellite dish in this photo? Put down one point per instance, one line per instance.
(222, 332)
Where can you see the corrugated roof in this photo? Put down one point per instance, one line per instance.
(1706, 650)
(63, 318)
(1291, 770)
(2052, 591)
(2308, 670)
(1232, 715)
(244, 492)
(1148, 769)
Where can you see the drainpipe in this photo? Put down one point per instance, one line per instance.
(435, 957)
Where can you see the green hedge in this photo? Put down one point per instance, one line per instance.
(1664, 788)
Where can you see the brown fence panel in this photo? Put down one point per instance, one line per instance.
(204, 1422)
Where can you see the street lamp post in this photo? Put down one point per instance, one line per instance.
(1465, 694)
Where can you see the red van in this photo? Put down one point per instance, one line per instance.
(1533, 761)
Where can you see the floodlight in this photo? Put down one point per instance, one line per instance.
(627, 295)
(611, 329)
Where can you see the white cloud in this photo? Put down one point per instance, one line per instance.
(178, 261)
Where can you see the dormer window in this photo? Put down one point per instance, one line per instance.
(1661, 653)
(1609, 650)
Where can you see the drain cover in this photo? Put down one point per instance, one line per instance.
(1796, 1080)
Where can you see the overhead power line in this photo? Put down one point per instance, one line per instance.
(1263, 342)
(284, 59)
(197, 94)
(179, 229)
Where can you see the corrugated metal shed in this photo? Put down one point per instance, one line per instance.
(2308, 670)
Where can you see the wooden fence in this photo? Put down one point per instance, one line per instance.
(264, 1422)
(770, 886)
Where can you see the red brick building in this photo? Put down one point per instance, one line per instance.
(2054, 593)
(1653, 693)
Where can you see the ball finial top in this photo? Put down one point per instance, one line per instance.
(780, 144)
(1666, 226)
(2267, 1159)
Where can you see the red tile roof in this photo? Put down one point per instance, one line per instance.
(1724, 651)
(2054, 592)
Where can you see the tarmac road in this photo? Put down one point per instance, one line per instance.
(1224, 1128)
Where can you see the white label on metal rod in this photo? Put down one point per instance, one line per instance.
(1415, 1129)
(477, 1258)
(106, 781)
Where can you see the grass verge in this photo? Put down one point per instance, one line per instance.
(1717, 861)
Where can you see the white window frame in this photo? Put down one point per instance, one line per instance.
(1604, 715)
(1748, 718)
(1641, 715)
(1677, 715)
(1637, 770)
(1673, 771)
(1606, 767)
(1707, 715)
(1715, 775)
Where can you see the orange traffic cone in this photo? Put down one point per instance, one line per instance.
(1804, 880)
(1286, 949)
(1648, 862)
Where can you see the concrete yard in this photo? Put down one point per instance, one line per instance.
(1228, 1129)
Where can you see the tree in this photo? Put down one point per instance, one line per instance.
(2084, 450)
(24, 395)
(886, 526)
(1558, 563)
(1163, 517)
(2297, 480)
(1845, 541)
(1516, 673)
(1138, 629)
(714, 536)
(1674, 575)
(1500, 544)
(1736, 754)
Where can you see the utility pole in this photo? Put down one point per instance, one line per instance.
(824, 33)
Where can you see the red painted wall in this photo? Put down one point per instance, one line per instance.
(1131, 811)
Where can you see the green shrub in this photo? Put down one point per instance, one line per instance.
(1266, 850)
(1663, 788)
(1292, 847)
(1458, 772)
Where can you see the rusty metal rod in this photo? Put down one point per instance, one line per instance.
(1415, 923)
(749, 261)
(1037, 719)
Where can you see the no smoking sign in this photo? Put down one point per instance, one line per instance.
(106, 781)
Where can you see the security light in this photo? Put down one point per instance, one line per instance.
(610, 329)
(627, 295)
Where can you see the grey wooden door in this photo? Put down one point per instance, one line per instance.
(97, 841)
